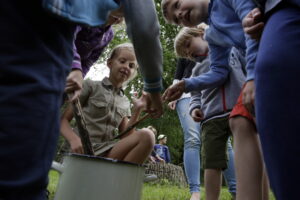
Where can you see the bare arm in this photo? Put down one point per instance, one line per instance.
(68, 133)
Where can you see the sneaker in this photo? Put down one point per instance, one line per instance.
(149, 178)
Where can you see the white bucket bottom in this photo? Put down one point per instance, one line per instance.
(95, 178)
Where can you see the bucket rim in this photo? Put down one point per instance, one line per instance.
(102, 158)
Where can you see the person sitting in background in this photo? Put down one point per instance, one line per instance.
(161, 148)
(154, 157)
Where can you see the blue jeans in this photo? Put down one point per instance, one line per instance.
(277, 99)
(192, 143)
(229, 173)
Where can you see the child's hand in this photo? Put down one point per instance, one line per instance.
(172, 105)
(174, 92)
(249, 96)
(74, 84)
(76, 146)
(141, 103)
(253, 24)
(197, 115)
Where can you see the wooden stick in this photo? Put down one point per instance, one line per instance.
(132, 126)
(83, 133)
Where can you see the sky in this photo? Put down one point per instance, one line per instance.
(97, 72)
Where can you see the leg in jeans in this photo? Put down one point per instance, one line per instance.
(229, 173)
(277, 100)
(191, 155)
(36, 54)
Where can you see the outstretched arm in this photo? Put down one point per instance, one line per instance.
(215, 77)
(143, 30)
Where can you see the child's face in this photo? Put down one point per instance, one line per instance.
(122, 66)
(186, 12)
(165, 140)
(196, 46)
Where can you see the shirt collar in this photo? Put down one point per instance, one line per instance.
(108, 85)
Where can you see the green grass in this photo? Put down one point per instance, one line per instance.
(153, 191)
(171, 192)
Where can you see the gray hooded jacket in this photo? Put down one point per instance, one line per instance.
(218, 102)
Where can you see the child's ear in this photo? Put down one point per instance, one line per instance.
(109, 63)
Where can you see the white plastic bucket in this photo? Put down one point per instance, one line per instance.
(96, 178)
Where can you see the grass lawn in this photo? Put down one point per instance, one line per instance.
(152, 191)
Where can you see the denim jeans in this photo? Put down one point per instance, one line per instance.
(229, 173)
(33, 71)
(191, 155)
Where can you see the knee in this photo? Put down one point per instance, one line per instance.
(192, 143)
(147, 137)
(238, 123)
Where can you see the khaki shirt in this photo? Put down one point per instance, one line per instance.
(103, 107)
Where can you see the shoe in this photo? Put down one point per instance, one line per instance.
(149, 178)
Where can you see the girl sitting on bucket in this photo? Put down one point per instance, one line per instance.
(106, 108)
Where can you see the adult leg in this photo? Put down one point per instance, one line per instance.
(134, 148)
(229, 173)
(36, 54)
(277, 99)
(248, 160)
(191, 153)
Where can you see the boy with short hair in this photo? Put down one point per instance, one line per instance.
(161, 148)
(225, 32)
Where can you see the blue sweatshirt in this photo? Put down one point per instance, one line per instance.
(225, 31)
(163, 152)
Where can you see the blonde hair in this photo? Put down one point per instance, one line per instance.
(116, 51)
(153, 130)
(184, 35)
